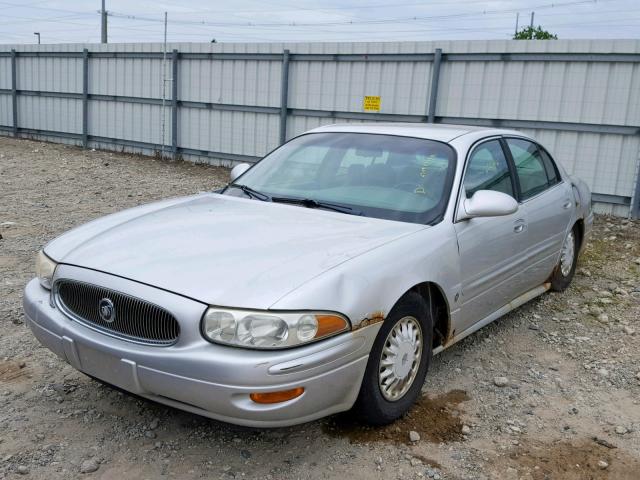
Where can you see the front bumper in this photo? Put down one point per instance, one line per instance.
(194, 375)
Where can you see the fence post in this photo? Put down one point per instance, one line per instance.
(635, 199)
(85, 98)
(284, 96)
(435, 79)
(174, 103)
(14, 92)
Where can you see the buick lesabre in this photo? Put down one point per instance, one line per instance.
(322, 278)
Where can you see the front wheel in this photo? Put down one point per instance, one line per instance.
(566, 268)
(398, 362)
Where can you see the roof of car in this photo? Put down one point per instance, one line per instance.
(440, 132)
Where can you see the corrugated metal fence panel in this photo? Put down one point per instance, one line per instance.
(232, 82)
(128, 121)
(341, 86)
(129, 77)
(229, 82)
(238, 82)
(48, 113)
(241, 133)
(565, 91)
(584, 92)
(49, 74)
(5, 110)
(5, 72)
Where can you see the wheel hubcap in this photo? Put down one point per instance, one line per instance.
(566, 257)
(400, 359)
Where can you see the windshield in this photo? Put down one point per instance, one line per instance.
(382, 176)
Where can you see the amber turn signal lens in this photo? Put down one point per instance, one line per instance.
(328, 324)
(277, 397)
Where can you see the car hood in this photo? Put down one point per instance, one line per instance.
(223, 250)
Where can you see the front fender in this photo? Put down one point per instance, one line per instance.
(367, 287)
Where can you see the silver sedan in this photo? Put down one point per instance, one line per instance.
(322, 278)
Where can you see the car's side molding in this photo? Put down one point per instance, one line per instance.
(513, 304)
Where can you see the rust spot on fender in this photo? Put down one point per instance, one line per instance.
(449, 339)
(371, 319)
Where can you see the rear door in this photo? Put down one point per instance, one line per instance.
(491, 248)
(547, 202)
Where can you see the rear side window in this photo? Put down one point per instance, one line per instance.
(488, 169)
(550, 166)
(530, 167)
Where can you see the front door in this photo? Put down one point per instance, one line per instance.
(491, 248)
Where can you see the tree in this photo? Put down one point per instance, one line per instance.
(530, 33)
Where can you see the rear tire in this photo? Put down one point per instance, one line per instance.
(566, 268)
(397, 367)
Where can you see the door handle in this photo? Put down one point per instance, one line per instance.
(567, 205)
(519, 225)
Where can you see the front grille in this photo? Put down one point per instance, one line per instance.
(133, 319)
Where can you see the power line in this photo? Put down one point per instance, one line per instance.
(207, 30)
(61, 19)
(427, 30)
(329, 30)
(40, 8)
(358, 22)
(367, 6)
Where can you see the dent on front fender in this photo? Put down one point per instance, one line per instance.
(366, 288)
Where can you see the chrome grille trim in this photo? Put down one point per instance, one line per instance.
(136, 320)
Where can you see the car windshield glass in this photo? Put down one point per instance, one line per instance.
(382, 176)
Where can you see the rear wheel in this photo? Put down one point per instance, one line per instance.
(566, 268)
(398, 362)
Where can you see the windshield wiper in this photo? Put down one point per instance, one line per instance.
(311, 203)
(250, 192)
(305, 202)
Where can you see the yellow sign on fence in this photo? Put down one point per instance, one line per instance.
(371, 103)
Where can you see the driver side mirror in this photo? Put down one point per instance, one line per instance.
(237, 171)
(487, 203)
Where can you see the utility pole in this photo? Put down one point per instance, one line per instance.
(517, 20)
(103, 29)
(38, 35)
(532, 14)
(164, 85)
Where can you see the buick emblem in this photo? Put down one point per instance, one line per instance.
(106, 310)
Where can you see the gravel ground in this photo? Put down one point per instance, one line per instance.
(550, 391)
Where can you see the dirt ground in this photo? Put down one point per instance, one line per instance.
(569, 410)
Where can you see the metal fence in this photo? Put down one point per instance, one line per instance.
(235, 102)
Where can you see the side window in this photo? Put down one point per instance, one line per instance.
(488, 170)
(550, 167)
(530, 168)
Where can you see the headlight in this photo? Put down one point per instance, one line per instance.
(269, 330)
(44, 269)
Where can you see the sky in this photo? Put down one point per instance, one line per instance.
(78, 21)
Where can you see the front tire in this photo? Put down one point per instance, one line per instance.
(566, 268)
(398, 362)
